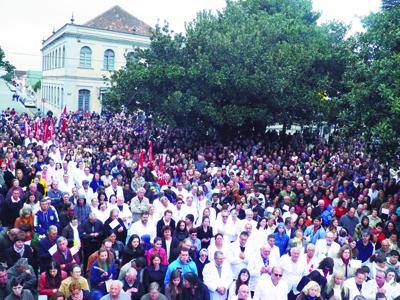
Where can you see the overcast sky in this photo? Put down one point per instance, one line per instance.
(25, 23)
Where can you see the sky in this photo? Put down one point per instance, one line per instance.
(25, 23)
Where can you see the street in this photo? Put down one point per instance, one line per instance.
(6, 100)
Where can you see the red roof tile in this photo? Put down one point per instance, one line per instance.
(118, 19)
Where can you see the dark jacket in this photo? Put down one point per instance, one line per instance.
(303, 296)
(68, 233)
(345, 294)
(121, 236)
(201, 293)
(13, 256)
(173, 251)
(150, 275)
(5, 244)
(137, 284)
(10, 212)
(160, 225)
(130, 254)
(29, 278)
(87, 228)
(59, 258)
(200, 266)
(81, 212)
(313, 276)
(25, 295)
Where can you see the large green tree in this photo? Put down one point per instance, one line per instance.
(6, 65)
(371, 107)
(256, 63)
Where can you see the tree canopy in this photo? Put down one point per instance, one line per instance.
(9, 68)
(371, 104)
(256, 63)
(261, 62)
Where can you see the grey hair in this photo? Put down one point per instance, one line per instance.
(154, 286)
(60, 240)
(117, 283)
(218, 253)
(131, 271)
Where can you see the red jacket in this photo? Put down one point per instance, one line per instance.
(45, 290)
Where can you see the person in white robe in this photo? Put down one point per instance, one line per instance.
(218, 277)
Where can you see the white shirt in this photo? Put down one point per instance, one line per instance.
(110, 191)
(292, 271)
(178, 214)
(311, 265)
(182, 192)
(322, 249)
(102, 216)
(212, 279)
(190, 210)
(353, 290)
(256, 262)
(267, 290)
(125, 214)
(89, 195)
(227, 229)
(236, 262)
(140, 229)
(66, 187)
(371, 288)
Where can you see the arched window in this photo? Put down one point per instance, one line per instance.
(131, 57)
(109, 59)
(83, 100)
(85, 60)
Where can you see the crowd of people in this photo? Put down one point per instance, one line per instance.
(114, 207)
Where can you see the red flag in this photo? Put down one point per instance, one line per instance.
(151, 156)
(37, 128)
(45, 130)
(50, 129)
(64, 119)
(141, 160)
(160, 167)
(27, 127)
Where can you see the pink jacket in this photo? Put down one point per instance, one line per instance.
(162, 252)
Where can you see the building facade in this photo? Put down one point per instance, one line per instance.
(76, 58)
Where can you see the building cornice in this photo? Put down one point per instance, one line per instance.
(64, 32)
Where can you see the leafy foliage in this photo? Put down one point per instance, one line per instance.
(372, 103)
(37, 86)
(256, 63)
(7, 66)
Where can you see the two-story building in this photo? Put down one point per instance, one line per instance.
(77, 57)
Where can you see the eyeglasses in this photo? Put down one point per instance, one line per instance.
(278, 275)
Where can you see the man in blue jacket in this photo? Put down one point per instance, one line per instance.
(183, 263)
(45, 217)
(45, 244)
(315, 232)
